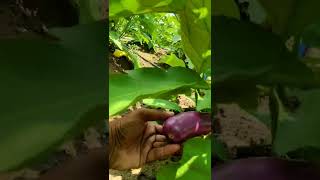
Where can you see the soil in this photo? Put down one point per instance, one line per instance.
(240, 130)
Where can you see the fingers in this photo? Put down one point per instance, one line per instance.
(153, 139)
(149, 143)
(163, 152)
(159, 128)
(149, 131)
(152, 130)
(159, 144)
(152, 114)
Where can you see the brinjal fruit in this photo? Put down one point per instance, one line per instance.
(186, 125)
(266, 168)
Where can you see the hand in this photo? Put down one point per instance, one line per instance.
(133, 141)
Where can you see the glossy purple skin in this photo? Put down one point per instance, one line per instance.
(187, 125)
(266, 168)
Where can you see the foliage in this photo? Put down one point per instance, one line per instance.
(172, 60)
(195, 22)
(204, 103)
(248, 55)
(182, 28)
(154, 31)
(89, 10)
(161, 103)
(51, 91)
(127, 89)
(195, 162)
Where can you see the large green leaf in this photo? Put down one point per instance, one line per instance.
(172, 60)
(279, 13)
(195, 33)
(161, 103)
(90, 10)
(126, 89)
(220, 150)
(130, 7)
(311, 35)
(290, 17)
(258, 56)
(245, 95)
(306, 12)
(195, 162)
(301, 128)
(225, 8)
(49, 91)
(204, 103)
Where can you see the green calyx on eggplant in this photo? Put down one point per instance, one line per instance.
(186, 125)
(266, 168)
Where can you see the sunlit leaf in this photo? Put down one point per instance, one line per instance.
(195, 162)
(126, 89)
(161, 103)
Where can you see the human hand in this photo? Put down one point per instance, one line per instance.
(133, 141)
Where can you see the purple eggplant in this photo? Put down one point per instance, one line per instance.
(187, 125)
(266, 168)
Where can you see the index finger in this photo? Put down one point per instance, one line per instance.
(153, 115)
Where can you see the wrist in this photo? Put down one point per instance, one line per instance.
(114, 142)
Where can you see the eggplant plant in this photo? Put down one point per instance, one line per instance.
(267, 55)
(155, 86)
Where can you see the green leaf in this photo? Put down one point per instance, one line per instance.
(263, 117)
(290, 17)
(251, 61)
(256, 12)
(195, 30)
(168, 172)
(161, 103)
(311, 35)
(225, 8)
(172, 60)
(306, 12)
(195, 19)
(246, 95)
(50, 91)
(126, 89)
(278, 13)
(131, 7)
(205, 102)
(89, 10)
(219, 150)
(114, 37)
(310, 154)
(195, 162)
(301, 128)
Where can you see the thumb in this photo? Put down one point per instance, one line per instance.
(152, 114)
(163, 152)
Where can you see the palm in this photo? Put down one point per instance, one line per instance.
(140, 141)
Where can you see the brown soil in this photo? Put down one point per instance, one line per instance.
(238, 129)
